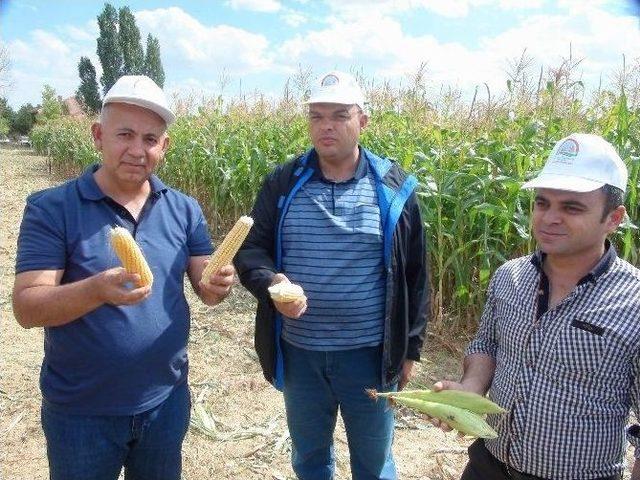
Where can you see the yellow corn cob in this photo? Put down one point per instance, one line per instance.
(286, 292)
(468, 400)
(130, 255)
(229, 247)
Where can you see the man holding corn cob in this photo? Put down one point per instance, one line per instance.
(114, 375)
(344, 226)
(559, 340)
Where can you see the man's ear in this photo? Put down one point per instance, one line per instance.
(615, 218)
(364, 120)
(165, 144)
(96, 134)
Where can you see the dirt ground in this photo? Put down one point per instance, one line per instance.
(238, 428)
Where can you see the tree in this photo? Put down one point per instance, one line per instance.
(24, 119)
(5, 67)
(88, 94)
(6, 116)
(152, 62)
(129, 38)
(120, 49)
(109, 50)
(51, 106)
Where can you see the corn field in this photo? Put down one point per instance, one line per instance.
(470, 157)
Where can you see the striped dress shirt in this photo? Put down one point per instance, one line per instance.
(568, 375)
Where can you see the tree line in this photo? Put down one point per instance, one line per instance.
(120, 52)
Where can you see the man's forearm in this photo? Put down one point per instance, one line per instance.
(51, 306)
(479, 369)
(635, 473)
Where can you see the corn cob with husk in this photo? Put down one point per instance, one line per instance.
(460, 410)
(229, 247)
(286, 292)
(130, 255)
(458, 398)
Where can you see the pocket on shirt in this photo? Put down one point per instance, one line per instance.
(581, 351)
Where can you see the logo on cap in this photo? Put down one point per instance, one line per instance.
(329, 80)
(566, 152)
(569, 148)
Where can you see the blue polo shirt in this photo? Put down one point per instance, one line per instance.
(116, 360)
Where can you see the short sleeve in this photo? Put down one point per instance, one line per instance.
(41, 241)
(485, 340)
(199, 240)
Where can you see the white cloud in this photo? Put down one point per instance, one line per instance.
(48, 58)
(88, 33)
(378, 43)
(268, 6)
(186, 43)
(444, 8)
(294, 19)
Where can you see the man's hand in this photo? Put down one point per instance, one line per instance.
(218, 286)
(293, 309)
(447, 385)
(114, 287)
(407, 373)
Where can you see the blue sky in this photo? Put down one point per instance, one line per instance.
(243, 46)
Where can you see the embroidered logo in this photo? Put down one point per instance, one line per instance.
(329, 80)
(566, 152)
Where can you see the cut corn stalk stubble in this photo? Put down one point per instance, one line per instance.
(229, 247)
(130, 255)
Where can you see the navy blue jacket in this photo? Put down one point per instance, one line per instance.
(407, 288)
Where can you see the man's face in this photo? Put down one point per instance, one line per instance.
(335, 129)
(132, 140)
(568, 223)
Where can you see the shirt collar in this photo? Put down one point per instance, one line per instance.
(361, 169)
(603, 265)
(90, 190)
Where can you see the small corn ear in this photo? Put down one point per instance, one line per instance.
(229, 247)
(468, 400)
(286, 292)
(130, 255)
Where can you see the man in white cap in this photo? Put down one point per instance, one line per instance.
(345, 225)
(559, 339)
(114, 374)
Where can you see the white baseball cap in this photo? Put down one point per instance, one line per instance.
(337, 87)
(140, 90)
(581, 162)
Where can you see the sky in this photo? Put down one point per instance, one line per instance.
(234, 47)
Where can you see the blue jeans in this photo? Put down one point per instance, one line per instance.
(316, 384)
(148, 445)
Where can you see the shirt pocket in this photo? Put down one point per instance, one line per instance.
(580, 351)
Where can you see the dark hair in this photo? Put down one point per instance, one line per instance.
(613, 198)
